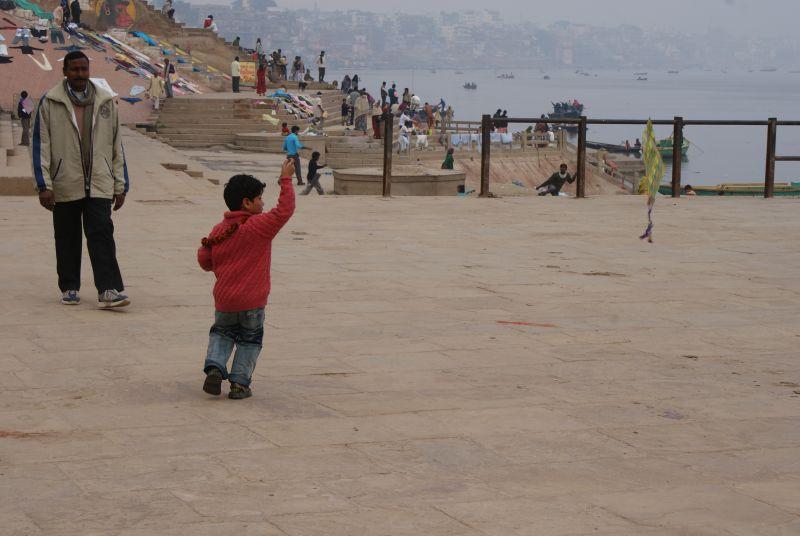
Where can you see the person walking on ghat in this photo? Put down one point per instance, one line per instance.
(292, 146)
(80, 172)
(236, 71)
(24, 110)
(313, 175)
(321, 65)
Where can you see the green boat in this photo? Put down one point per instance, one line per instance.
(665, 147)
(741, 189)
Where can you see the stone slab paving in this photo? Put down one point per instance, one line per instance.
(448, 366)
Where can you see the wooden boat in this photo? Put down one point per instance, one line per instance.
(665, 147)
(546, 77)
(509, 76)
(613, 148)
(642, 79)
(740, 189)
(470, 85)
(673, 72)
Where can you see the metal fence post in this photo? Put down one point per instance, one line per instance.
(581, 187)
(769, 175)
(388, 131)
(486, 145)
(677, 156)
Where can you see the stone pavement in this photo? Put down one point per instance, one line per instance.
(432, 366)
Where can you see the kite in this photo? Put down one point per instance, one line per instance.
(654, 174)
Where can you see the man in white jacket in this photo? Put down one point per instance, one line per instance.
(79, 170)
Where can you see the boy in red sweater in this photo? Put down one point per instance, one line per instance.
(238, 251)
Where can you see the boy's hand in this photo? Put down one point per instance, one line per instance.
(287, 170)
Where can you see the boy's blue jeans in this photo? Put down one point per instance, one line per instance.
(245, 330)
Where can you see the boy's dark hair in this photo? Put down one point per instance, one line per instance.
(241, 187)
(74, 55)
(315, 155)
(295, 129)
(284, 124)
(24, 94)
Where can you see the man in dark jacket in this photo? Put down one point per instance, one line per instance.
(24, 110)
(556, 181)
(75, 11)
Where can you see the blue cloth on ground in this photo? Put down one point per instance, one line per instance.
(146, 38)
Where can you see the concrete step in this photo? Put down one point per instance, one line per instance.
(217, 130)
(201, 137)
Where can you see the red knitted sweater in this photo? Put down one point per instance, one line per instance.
(242, 261)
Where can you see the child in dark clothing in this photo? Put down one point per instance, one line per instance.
(313, 176)
(345, 111)
(239, 251)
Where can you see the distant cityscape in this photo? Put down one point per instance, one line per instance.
(481, 39)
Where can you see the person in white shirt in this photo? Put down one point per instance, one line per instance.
(321, 66)
(236, 71)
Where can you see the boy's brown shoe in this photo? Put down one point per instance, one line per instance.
(213, 383)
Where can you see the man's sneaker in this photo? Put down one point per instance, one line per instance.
(112, 298)
(213, 383)
(70, 297)
(239, 392)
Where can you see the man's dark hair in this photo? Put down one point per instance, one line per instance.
(24, 94)
(315, 155)
(241, 187)
(74, 55)
(295, 129)
(236, 58)
(563, 165)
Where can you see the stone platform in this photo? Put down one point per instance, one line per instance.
(407, 180)
(432, 366)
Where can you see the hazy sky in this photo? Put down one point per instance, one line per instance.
(778, 16)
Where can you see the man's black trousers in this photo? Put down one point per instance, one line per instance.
(95, 215)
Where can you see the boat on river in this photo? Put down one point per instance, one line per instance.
(666, 147)
(506, 76)
(567, 110)
(614, 148)
(470, 85)
(740, 189)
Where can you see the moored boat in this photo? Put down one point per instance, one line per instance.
(740, 189)
(665, 147)
(470, 85)
(613, 148)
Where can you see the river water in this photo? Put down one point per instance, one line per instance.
(717, 154)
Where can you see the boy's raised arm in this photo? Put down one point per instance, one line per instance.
(269, 223)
